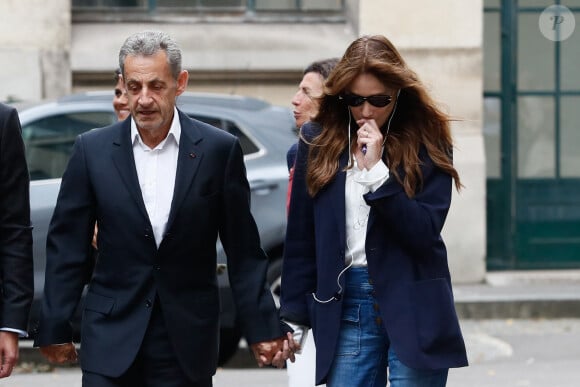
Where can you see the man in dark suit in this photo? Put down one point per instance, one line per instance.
(162, 187)
(16, 276)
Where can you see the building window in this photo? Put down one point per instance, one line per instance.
(298, 5)
(217, 5)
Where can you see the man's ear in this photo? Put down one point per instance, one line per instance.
(182, 80)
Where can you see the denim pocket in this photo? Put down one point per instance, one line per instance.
(350, 331)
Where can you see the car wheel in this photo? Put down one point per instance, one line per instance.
(274, 278)
(229, 343)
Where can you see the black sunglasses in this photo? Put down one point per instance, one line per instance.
(375, 100)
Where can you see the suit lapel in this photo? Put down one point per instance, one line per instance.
(188, 161)
(124, 160)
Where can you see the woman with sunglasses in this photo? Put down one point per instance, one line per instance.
(364, 262)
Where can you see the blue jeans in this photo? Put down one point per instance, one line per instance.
(363, 352)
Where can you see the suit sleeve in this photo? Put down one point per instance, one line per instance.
(16, 275)
(68, 251)
(247, 262)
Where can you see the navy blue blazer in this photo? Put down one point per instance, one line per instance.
(211, 197)
(407, 262)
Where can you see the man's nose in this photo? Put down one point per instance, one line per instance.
(144, 96)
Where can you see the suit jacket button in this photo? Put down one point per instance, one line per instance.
(148, 303)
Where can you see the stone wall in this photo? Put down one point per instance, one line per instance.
(442, 42)
(34, 49)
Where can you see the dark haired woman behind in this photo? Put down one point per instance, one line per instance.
(365, 265)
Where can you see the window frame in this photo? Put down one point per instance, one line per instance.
(247, 11)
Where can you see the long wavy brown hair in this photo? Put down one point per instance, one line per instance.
(417, 121)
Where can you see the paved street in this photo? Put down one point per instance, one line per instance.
(502, 353)
(520, 353)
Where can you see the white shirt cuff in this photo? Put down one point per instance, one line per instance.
(300, 333)
(20, 333)
(373, 178)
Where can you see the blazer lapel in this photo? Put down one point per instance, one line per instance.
(188, 161)
(123, 159)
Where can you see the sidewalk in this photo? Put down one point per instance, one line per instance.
(521, 294)
(546, 294)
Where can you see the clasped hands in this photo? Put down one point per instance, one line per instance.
(275, 352)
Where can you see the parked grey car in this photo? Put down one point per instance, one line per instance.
(265, 133)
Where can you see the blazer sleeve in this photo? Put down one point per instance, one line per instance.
(299, 262)
(247, 262)
(68, 251)
(415, 222)
(16, 275)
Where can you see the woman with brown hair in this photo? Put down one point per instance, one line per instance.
(364, 264)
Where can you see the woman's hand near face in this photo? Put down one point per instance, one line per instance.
(370, 144)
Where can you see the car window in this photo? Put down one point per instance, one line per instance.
(49, 140)
(248, 146)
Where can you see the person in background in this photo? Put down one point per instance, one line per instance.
(364, 262)
(16, 270)
(162, 188)
(306, 102)
(120, 102)
(310, 90)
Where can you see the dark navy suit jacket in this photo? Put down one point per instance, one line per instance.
(211, 197)
(16, 274)
(407, 262)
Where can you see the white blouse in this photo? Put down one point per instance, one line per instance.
(358, 183)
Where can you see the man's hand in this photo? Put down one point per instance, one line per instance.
(8, 352)
(60, 353)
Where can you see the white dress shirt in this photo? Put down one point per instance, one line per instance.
(156, 169)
